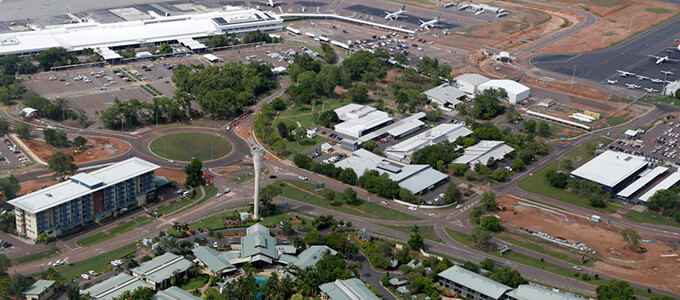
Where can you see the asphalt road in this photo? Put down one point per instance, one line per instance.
(630, 55)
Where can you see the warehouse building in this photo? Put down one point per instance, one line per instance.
(445, 132)
(665, 184)
(213, 262)
(415, 178)
(517, 92)
(174, 293)
(471, 285)
(40, 290)
(158, 271)
(468, 83)
(599, 170)
(482, 152)
(115, 286)
(445, 95)
(84, 198)
(531, 292)
(112, 36)
(350, 289)
(359, 119)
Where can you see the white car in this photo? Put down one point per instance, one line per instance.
(577, 268)
(215, 245)
(218, 195)
(85, 276)
(93, 273)
(302, 178)
(412, 208)
(384, 202)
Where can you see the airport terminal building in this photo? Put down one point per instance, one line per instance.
(84, 198)
(107, 37)
(599, 170)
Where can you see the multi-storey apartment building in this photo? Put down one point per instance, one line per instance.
(84, 198)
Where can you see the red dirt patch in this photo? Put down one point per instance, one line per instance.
(172, 174)
(226, 170)
(98, 148)
(34, 185)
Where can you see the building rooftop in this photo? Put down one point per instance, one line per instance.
(397, 128)
(530, 292)
(174, 293)
(114, 287)
(350, 289)
(665, 184)
(257, 243)
(483, 151)
(445, 93)
(509, 86)
(599, 169)
(363, 123)
(311, 255)
(213, 260)
(78, 36)
(472, 78)
(353, 111)
(162, 267)
(415, 178)
(432, 136)
(474, 281)
(82, 184)
(38, 287)
(641, 182)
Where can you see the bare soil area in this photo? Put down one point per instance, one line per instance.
(614, 16)
(226, 170)
(34, 185)
(614, 257)
(172, 174)
(97, 148)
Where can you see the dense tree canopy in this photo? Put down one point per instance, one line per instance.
(615, 289)
(488, 104)
(194, 172)
(61, 164)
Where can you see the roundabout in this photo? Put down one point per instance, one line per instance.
(183, 146)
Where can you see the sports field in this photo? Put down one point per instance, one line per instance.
(185, 145)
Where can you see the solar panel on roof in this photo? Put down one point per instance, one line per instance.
(221, 21)
(389, 167)
(259, 17)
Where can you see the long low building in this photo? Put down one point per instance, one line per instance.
(640, 183)
(471, 285)
(445, 132)
(445, 95)
(665, 184)
(482, 152)
(94, 35)
(415, 178)
(516, 91)
(350, 289)
(115, 286)
(158, 271)
(84, 198)
(612, 170)
(359, 119)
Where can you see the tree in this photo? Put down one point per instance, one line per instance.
(4, 125)
(330, 196)
(279, 104)
(529, 126)
(349, 195)
(165, 49)
(518, 165)
(508, 276)
(667, 202)
(500, 174)
(433, 115)
(557, 179)
(453, 194)
(487, 264)
(328, 119)
(488, 201)
(458, 169)
(5, 263)
(415, 242)
(596, 201)
(19, 284)
(630, 236)
(287, 228)
(615, 289)
(62, 164)
(487, 104)
(481, 237)
(283, 129)
(79, 141)
(358, 93)
(55, 138)
(23, 130)
(9, 186)
(512, 116)
(491, 223)
(194, 171)
(470, 266)
(543, 129)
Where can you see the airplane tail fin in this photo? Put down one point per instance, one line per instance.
(439, 15)
(669, 54)
(403, 7)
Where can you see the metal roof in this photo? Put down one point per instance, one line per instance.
(474, 281)
(413, 121)
(530, 292)
(355, 126)
(212, 259)
(350, 289)
(641, 182)
(512, 87)
(39, 287)
(432, 136)
(445, 93)
(599, 169)
(415, 178)
(665, 184)
(311, 255)
(258, 241)
(68, 190)
(114, 287)
(483, 151)
(162, 267)
(471, 78)
(174, 293)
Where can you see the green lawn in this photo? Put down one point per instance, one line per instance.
(427, 232)
(102, 236)
(307, 109)
(540, 246)
(658, 10)
(36, 256)
(215, 293)
(185, 145)
(99, 263)
(359, 207)
(583, 153)
(538, 183)
(615, 121)
(193, 283)
(649, 217)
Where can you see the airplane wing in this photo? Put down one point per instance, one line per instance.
(672, 59)
(654, 56)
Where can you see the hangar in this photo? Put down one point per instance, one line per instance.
(468, 83)
(599, 170)
(516, 91)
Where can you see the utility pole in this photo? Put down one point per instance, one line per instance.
(631, 22)
(604, 33)
(572, 78)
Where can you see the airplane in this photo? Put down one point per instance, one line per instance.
(609, 81)
(640, 77)
(624, 73)
(74, 18)
(395, 15)
(632, 86)
(273, 3)
(656, 80)
(430, 24)
(677, 46)
(669, 72)
(661, 59)
(651, 90)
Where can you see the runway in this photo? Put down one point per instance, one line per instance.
(630, 56)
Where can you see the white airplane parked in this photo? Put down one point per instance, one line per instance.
(624, 73)
(669, 72)
(651, 90)
(662, 59)
(273, 3)
(73, 17)
(632, 86)
(395, 15)
(609, 81)
(656, 80)
(640, 77)
(677, 46)
(430, 24)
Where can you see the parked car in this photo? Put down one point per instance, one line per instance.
(577, 268)
(93, 273)
(272, 176)
(384, 202)
(302, 178)
(85, 276)
(215, 245)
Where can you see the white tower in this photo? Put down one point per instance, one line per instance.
(258, 155)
